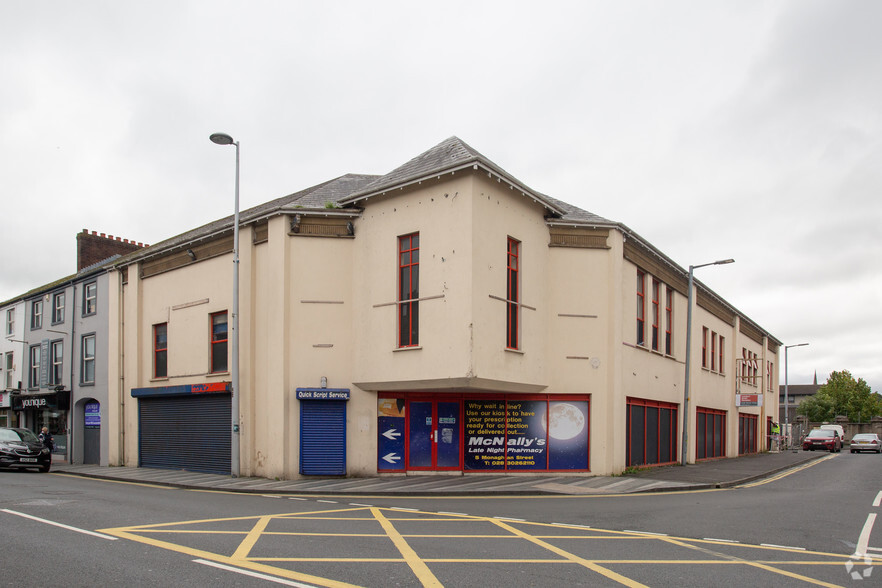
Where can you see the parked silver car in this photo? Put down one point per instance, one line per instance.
(866, 442)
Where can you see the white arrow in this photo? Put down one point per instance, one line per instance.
(391, 457)
(391, 434)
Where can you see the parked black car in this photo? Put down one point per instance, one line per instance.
(20, 448)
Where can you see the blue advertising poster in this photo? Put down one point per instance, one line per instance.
(484, 428)
(93, 415)
(568, 435)
(390, 431)
(526, 444)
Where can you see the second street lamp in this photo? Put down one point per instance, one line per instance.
(692, 268)
(225, 139)
(787, 439)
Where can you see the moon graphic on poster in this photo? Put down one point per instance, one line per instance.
(565, 420)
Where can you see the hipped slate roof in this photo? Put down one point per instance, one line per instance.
(448, 156)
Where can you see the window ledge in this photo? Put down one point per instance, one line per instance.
(515, 351)
(165, 379)
(415, 347)
(216, 374)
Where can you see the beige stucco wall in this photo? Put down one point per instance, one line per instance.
(314, 307)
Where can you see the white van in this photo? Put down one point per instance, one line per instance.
(837, 428)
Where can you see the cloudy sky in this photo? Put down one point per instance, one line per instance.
(744, 129)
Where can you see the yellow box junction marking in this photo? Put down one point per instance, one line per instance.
(246, 554)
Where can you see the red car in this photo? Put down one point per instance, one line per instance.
(822, 439)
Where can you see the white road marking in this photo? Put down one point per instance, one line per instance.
(252, 574)
(54, 524)
(459, 514)
(327, 501)
(571, 526)
(860, 549)
(404, 509)
(721, 540)
(647, 533)
(782, 546)
(295, 498)
(878, 500)
(357, 504)
(509, 519)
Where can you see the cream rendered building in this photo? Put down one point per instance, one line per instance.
(443, 317)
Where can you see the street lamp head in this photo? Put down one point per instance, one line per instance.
(724, 261)
(795, 345)
(221, 139)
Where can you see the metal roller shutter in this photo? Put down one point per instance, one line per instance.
(186, 432)
(323, 438)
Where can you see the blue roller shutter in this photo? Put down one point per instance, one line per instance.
(323, 438)
(186, 432)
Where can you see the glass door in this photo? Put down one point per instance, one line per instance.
(434, 435)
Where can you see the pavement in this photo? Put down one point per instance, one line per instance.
(717, 473)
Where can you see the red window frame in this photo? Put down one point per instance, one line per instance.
(722, 345)
(713, 352)
(704, 347)
(512, 295)
(219, 345)
(671, 423)
(641, 308)
(709, 451)
(408, 290)
(669, 320)
(747, 433)
(160, 350)
(656, 291)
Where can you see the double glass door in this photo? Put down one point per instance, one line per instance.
(434, 435)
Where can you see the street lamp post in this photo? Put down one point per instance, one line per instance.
(689, 352)
(786, 391)
(224, 139)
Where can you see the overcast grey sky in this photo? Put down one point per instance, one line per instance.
(744, 129)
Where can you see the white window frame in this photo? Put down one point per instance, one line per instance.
(37, 314)
(57, 309)
(90, 298)
(10, 321)
(56, 362)
(34, 366)
(87, 360)
(10, 369)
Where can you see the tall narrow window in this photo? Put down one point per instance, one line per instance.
(160, 350)
(90, 298)
(34, 367)
(669, 320)
(656, 289)
(37, 314)
(58, 308)
(56, 356)
(219, 342)
(10, 363)
(408, 290)
(512, 296)
(722, 345)
(10, 321)
(704, 347)
(641, 309)
(87, 369)
(713, 351)
(768, 375)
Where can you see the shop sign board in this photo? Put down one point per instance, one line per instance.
(322, 394)
(93, 415)
(748, 400)
(5, 400)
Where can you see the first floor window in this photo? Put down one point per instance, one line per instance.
(9, 370)
(409, 290)
(37, 314)
(512, 318)
(87, 373)
(34, 367)
(218, 342)
(58, 308)
(656, 290)
(704, 347)
(669, 320)
(160, 350)
(90, 298)
(713, 352)
(56, 354)
(722, 344)
(10, 321)
(641, 309)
